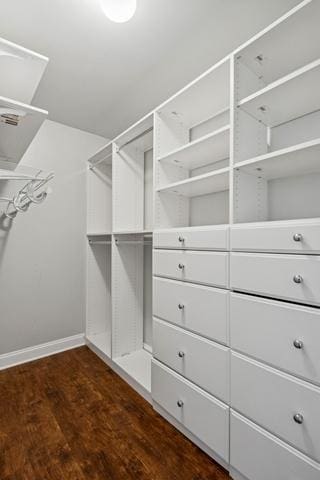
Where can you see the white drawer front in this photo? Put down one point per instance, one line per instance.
(272, 399)
(203, 310)
(257, 455)
(298, 237)
(201, 414)
(275, 275)
(284, 335)
(210, 268)
(213, 238)
(203, 362)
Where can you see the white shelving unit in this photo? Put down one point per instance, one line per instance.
(21, 72)
(291, 97)
(224, 178)
(208, 149)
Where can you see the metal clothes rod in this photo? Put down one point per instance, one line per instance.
(135, 138)
(133, 242)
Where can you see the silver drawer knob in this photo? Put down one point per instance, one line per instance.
(181, 239)
(298, 418)
(298, 344)
(181, 266)
(181, 354)
(297, 279)
(297, 237)
(180, 403)
(181, 306)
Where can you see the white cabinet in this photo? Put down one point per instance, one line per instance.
(201, 309)
(282, 404)
(291, 237)
(209, 268)
(258, 455)
(291, 277)
(281, 334)
(203, 415)
(205, 238)
(199, 360)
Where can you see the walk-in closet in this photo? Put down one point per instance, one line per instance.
(160, 240)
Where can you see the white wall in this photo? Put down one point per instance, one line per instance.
(42, 254)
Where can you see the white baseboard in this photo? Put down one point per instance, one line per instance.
(29, 354)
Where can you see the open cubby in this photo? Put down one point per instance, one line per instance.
(99, 300)
(280, 50)
(133, 179)
(192, 151)
(99, 193)
(132, 306)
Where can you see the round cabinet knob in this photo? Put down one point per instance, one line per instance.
(181, 239)
(181, 306)
(297, 237)
(181, 266)
(181, 354)
(180, 403)
(298, 418)
(298, 344)
(297, 279)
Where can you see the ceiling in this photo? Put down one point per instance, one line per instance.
(103, 76)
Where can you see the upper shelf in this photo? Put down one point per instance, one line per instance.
(301, 159)
(19, 124)
(290, 97)
(104, 155)
(140, 135)
(21, 71)
(201, 99)
(287, 44)
(208, 149)
(212, 182)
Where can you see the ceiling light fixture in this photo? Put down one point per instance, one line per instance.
(119, 11)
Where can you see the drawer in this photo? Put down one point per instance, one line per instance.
(210, 268)
(272, 399)
(203, 310)
(258, 455)
(269, 330)
(199, 360)
(274, 275)
(292, 236)
(204, 416)
(210, 238)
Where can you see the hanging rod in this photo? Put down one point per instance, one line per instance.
(142, 134)
(100, 242)
(93, 165)
(133, 242)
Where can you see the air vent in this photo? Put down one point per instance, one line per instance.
(11, 116)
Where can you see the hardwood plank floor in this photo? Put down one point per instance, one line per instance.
(70, 417)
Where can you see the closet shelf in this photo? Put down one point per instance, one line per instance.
(290, 97)
(212, 182)
(104, 155)
(21, 71)
(299, 159)
(132, 232)
(99, 234)
(19, 124)
(202, 99)
(208, 149)
(138, 366)
(270, 54)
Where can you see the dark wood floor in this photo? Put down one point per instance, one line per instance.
(69, 417)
